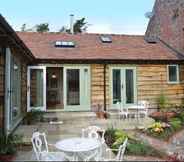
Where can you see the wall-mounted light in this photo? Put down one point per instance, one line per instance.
(54, 76)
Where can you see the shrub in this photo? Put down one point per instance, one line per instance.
(181, 116)
(34, 116)
(161, 101)
(175, 123)
(110, 136)
(156, 127)
(8, 143)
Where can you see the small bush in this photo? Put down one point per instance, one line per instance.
(175, 123)
(181, 116)
(34, 116)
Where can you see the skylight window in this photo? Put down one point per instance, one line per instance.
(106, 39)
(64, 44)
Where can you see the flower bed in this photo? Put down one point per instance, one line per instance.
(114, 138)
(164, 130)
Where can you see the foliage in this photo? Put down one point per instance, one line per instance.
(161, 101)
(134, 147)
(8, 143)
(80, 25)
(23, 27)
(175, 123)
(139, 148)
(156, 127)
(43, 27)
(181, 116)
(34, 116)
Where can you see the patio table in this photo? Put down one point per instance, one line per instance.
(79, 148)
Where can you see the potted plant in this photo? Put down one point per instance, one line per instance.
(8, 146)
(100, 113)
(33, 116)
(164, 114)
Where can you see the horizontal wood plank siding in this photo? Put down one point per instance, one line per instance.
(152, 81)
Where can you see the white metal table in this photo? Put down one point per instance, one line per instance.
(79, 148)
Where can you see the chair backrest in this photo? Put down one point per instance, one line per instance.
(121, 151)
(122, 109)
(39, 143)
(92, 132)
(143, 103)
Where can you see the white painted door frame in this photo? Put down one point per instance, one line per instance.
(42, 108)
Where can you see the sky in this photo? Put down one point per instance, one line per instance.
(103, 16)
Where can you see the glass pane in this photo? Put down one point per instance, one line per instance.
(73, 86)
(172, 73)
(36, 88)
(15, 91)
(129, 86)
(116, 86)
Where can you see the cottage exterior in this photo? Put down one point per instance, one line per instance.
(65, 72)
(14, 59)
(93, 72)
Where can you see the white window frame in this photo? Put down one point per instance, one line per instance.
(177, 74)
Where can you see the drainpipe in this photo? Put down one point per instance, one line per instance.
(105, 87)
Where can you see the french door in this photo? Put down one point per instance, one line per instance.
(123, 86)
(12, 91)
(76, 88)
(36, 98)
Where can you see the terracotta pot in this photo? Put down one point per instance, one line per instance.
(7, 157)
(164, 116)
(100, 115)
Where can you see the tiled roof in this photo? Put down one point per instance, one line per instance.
(90, 47)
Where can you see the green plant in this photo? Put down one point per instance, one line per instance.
(110, 136)
(181, 116)
(139, 148)
(176, 123)
(8, 143)
(161, 102)
(34, 116)
(156, 127)
(120, 136)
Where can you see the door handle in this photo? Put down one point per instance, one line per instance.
(122, 86)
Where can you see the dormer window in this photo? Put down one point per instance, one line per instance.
(65, 44)
(106, 39)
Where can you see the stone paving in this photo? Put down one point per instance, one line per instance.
(68, 124)
(174, 145)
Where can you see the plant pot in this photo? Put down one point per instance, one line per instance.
(100, 115)
(163, 116)
(7, 157)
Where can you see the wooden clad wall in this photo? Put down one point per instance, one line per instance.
(152, 81)
(2, 66)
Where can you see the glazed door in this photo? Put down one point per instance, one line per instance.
(76, 88)
(123, 86)
(36, 88)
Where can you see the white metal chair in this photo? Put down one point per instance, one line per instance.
(143, 108)
(40, 147)
(122, 111)
(92, 132)
(120, 154)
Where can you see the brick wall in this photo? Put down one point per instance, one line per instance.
(168, 22)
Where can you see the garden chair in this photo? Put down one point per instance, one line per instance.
(143, 108)
(92, 132)
(122, 111)
(40, 147)
(120, 152)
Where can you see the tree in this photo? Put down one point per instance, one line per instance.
(23, 27)
(80, 26)
(43, 27)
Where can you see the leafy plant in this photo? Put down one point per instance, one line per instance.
(34, 116)
(156, 127)
(176, 123)
(8, 143)
(110, 136)
(162, 101)
(181, 116)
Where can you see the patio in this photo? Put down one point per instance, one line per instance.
(69, 124)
